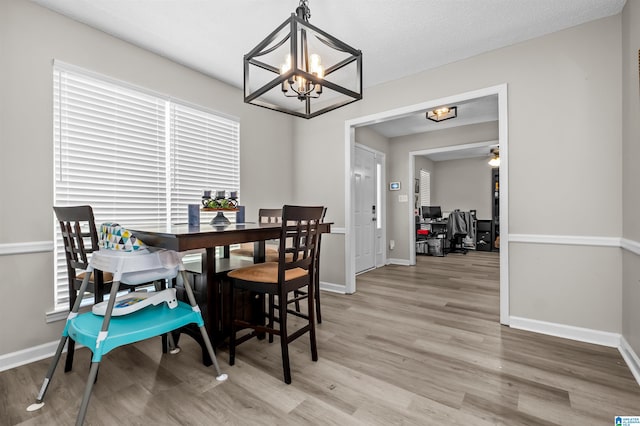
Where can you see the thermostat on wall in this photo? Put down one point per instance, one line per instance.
(394, 186)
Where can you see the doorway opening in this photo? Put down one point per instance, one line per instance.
(351, 125)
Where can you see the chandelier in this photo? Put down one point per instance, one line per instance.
(301, 70)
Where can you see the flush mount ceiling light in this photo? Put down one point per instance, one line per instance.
(443, 113)
(495, 158)
(301, 70)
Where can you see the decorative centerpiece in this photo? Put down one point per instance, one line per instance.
(220, 203)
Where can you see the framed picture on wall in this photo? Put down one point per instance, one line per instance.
(417, 186)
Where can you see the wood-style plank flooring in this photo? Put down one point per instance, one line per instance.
(414, 346)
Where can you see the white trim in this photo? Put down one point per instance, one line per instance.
(412, 174)
(630, 245)
(580, 334)
(578, 240)
(453, 148)
(630, 357)
(503, 136)
(55, 316)
(333, 288)
(503, 141)
(349, 214)
(338, 230)
(29, 355)
(403, 262)
(8, 249)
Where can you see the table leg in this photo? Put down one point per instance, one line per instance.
(213, 302)
(259, 255)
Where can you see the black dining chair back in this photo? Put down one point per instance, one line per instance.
(80, 237)
(270, 216)
(300, 295)
(294, 270)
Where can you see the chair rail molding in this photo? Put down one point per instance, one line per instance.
(630, 245)
(579, 240)
(9, 249)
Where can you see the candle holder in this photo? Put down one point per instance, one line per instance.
(220, 204)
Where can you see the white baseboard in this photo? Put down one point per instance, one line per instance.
(603, 338)
(29, 355)
(403, 262)
(580, 334)
(333, 288)
(630, 357)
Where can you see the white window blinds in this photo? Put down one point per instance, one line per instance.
(425, 188)
(204, 155)
(136, 157)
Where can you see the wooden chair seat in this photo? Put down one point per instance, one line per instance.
(266, 273)
(107, 276)
(246, 250)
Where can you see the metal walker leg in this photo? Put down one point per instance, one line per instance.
(63, 339)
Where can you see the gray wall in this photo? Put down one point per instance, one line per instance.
(463, 184)
(580, 146)
(576, 70)
(31, 37)
(631, 174)
(372, 139)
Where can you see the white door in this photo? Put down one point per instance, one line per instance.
(365, 208)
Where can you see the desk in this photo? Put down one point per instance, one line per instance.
(435, 226)
(184, 237)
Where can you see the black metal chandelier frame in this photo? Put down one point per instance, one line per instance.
(299, 23)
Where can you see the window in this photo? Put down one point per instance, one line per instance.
(136, 157)
(425, 188)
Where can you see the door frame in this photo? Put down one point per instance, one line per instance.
(380, 158)
(412, 171)
(503, 138)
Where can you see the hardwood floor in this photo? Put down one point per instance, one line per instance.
(414, 346)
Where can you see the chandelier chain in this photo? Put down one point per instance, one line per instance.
(305, 5)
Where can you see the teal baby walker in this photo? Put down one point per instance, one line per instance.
(130, 318)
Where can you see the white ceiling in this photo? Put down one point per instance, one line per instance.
(397, 37)
(473, 111)
(461, 152)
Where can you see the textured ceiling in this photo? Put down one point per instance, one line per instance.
(397, 37)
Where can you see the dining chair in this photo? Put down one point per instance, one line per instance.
(80, 237)
(294, 270)
(103, 329)
(271, 252)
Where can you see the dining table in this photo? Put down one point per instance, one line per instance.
(210, 283)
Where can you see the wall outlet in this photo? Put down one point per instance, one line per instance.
(392, 244)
